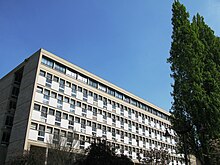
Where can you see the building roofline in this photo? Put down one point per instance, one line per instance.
(19, 66)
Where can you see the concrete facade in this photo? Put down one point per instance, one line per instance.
(58, 98)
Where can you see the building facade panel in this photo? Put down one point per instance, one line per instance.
(33, 134)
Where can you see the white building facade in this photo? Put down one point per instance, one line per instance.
(68, 101)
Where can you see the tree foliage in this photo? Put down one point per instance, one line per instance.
(32, 157)
(63, 151)
(59, 153)
(214, 151)
(156, 156)
(195, 66)
(100, 153)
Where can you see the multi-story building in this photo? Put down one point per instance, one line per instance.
(46, 96)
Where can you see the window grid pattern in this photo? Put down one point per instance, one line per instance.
(53, 64)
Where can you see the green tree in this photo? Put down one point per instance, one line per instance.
(195, 66)
(157, 157)
(100, 153)
(63, 150)
(215, 151)
(33, 157)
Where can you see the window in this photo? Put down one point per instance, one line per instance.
(104, 114)
(18, 77)
(83, 123)
(34, 126)
(141, 105)
(39, 89)
(85, 92)
(99, 111)
(9, 121)
(41, 130)
(63, 133)
(104, 128)
(49, 130)
(37, 107)
(93, 125)
(71, 120)
(133, 102)
(95, 97)
(111, 91)
(5, 137)
(78, 104)
(65, 116)
(49, 77)
(53, 95)
(89, 108)
(47, 61)
(113, 105)
(70, 137)
(126, 121)
(15, 91)
(62, 83)
(66, 99)
(56, 131)
(60, 68)
(154, 111)
(94, 111)
(44, 111)
(126, 98)
(88, 123)
(88, 139)
(72, 102)
(84, 106)
(79, 89)
(77, 119)
(58, 118)
(93, 83)
(46, 92)
(82, 78)
(56, 79)
(113, 117)
(102, 87)
(90, 93)
(68, 84)
(60, 97)
(12, 105)
(109, 101)
(118, 95)
(105, 101)
(118, 105)
(70, 73)
(51, 111)
(42, 73)
(73, 87)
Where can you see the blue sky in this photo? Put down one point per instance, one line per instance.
(125, 42)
